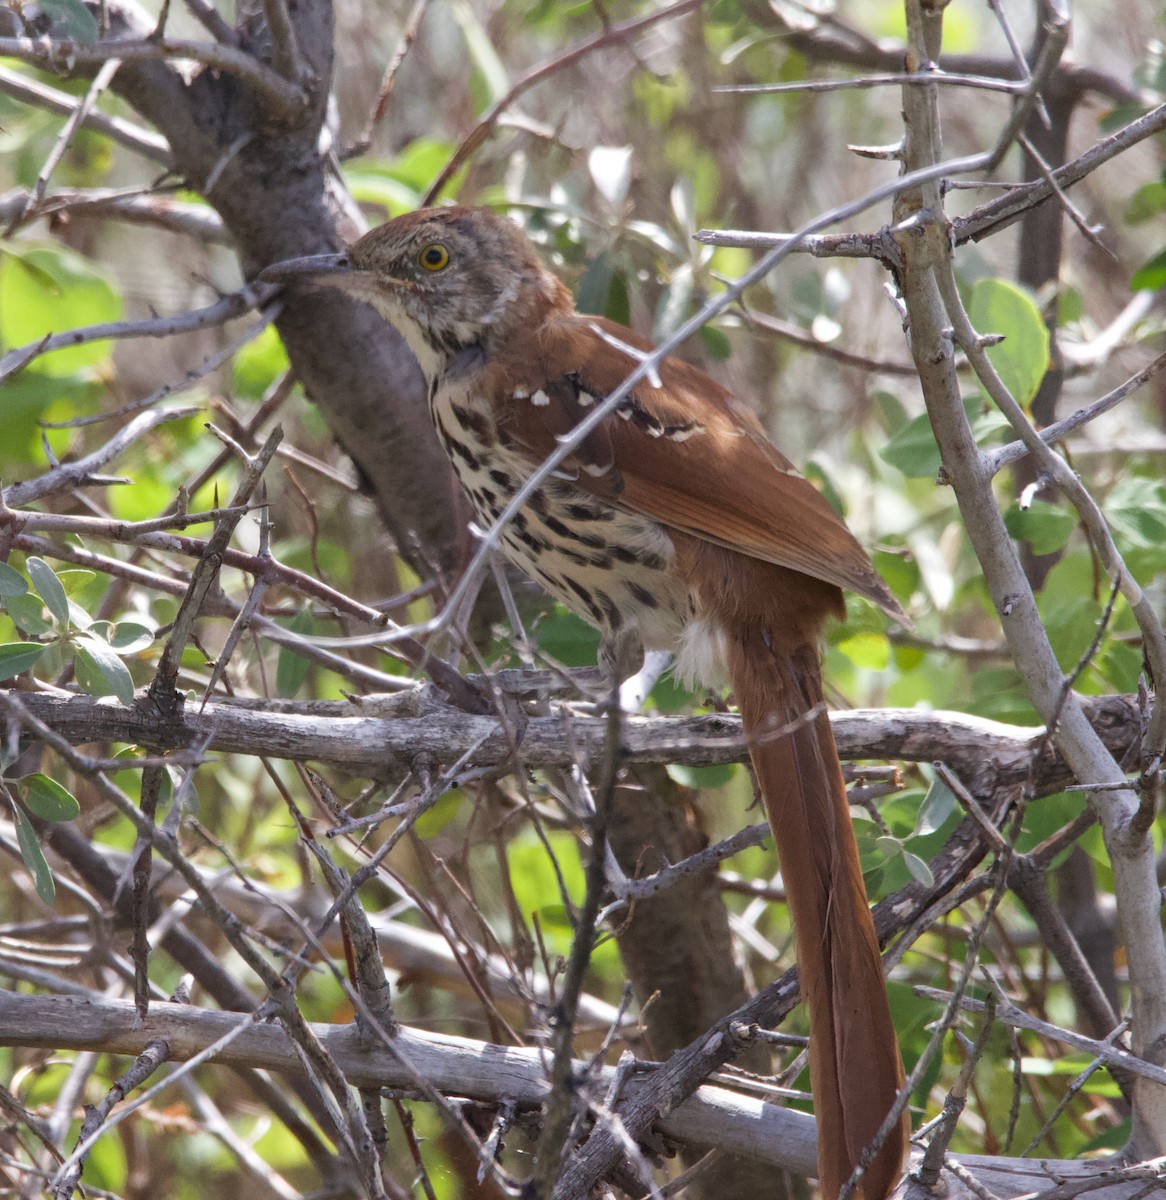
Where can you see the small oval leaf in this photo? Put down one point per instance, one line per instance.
(12, 583)
(49, 589)
(34, 859)
(101, 673)
(19, 656)
(920, 871)
(1022, 359)
(47, 799)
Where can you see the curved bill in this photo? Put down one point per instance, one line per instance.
(317, 266)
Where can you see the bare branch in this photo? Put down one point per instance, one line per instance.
(283, 99)
(31, 91)
(223, 310)
(382, 736)
(995, 459)
(76, 473)
(134, 205)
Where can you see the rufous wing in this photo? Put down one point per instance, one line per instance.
(679, 449)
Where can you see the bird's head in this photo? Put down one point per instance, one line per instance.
(449, 279)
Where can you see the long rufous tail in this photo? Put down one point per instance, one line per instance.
(855, 1066)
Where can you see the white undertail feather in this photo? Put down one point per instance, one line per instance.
(702, 655)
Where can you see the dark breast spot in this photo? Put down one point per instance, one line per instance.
(585, 512)
(584, 595)
(559, 529)
(642, 594)
(532, 542)
(462, 451)
(640, 558)
(502, 479)
(481, 425)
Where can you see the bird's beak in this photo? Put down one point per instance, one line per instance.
(327, 269)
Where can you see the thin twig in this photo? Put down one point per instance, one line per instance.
(137, 206)
(74, 474)
(995, 459)
(612, 35)
(77, 117)
(146, 142)
(1009, 86)
(389, 79)
(227, 308)
(213, 22)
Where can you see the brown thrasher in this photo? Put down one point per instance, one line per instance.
(675, 525)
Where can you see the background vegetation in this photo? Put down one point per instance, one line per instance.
(208, 481)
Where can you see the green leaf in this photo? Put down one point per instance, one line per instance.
(591, 296)
(1147, 202)
(490, 69)
(919, 869)
(124, 637)
(49, 588)
(28, 612)
(1022, 359)
(867, 649)
(259, 363)
(100, 672)
(78, 21)
(1150, 276)
(19, 656)
(716, 342)
(913, 449)
(1044, 526)
(12, 583)
(700, 777)
(47, 799)
(49, 289)
(937, 806)
(292, 668)
(34, 860)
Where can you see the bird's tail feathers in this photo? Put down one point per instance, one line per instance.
(855, 1066)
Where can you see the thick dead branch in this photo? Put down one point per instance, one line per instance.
(463, 1067)
(418, 726)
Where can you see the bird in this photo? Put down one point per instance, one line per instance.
(674, 525)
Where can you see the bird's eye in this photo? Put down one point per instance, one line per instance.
(433, 257)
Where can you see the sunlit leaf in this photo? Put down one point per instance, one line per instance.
(489, 67)
(610, 168)
(869, 650)
(1022, 359)
(50, 289)
(1151, 275)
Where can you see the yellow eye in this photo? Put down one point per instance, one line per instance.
(433, 257)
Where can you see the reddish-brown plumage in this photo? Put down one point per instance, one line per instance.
(677, 525)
